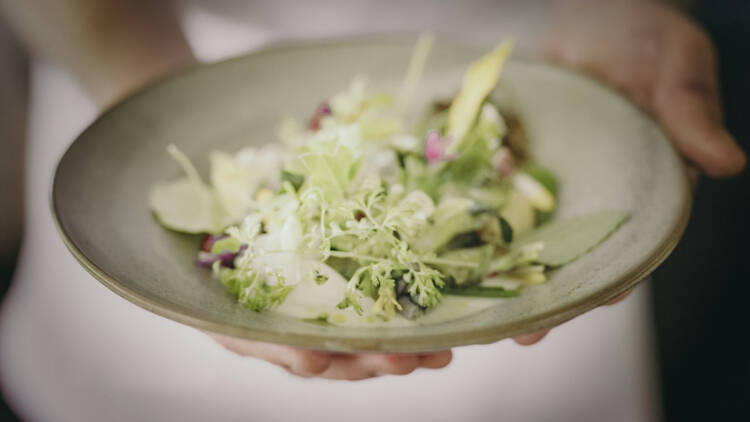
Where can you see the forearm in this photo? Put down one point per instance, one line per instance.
(111, 46)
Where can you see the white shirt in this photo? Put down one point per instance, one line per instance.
(71, 350)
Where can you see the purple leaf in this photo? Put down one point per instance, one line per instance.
(207, 259)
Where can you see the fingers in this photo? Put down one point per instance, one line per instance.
(700, 138)
(436, 360)
(665, 64)
(536, 337)
(687, 103)
(337, 366)
(363, 366)
(531, 338)
(346, 367)
(299, 361)
(390, 364)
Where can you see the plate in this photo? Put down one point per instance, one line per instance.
(606, 152)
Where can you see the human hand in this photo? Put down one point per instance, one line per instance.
(661, 61)
(337, 366)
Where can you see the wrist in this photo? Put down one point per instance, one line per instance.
(113, 77)
(129, 48)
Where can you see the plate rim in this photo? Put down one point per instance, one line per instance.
(366, 342)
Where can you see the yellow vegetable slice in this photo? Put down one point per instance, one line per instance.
(539, 197)
(519, 213)
(479, 80)
(187, 205)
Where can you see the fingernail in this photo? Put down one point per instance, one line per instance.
(435, 360)
(531, 338)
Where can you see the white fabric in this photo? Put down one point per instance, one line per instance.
(70, 350)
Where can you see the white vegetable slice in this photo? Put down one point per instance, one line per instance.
(504, 281)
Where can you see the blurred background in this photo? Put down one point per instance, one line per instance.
(700, 293)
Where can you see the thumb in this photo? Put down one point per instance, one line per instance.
(689, 117)
(687, 104)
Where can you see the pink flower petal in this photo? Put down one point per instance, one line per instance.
(433, 150)
(435, 146)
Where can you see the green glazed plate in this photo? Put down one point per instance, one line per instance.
(607, 154)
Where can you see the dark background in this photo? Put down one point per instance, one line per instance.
(702, 292)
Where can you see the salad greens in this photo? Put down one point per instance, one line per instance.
(405, 215)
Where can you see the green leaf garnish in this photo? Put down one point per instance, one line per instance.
(478, 291)
(566, 240)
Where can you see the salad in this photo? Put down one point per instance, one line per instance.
(404, 214)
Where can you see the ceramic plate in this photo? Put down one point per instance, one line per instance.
(607, 154)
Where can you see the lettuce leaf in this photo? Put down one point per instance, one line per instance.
(452, 216)
(566, 240)
(479, 255)
(329, 161)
